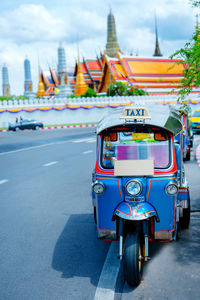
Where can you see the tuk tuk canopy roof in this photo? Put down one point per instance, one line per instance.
(166, 117)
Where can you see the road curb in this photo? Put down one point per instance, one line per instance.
(60, 127)
(198, 155)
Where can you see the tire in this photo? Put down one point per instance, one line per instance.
(133, 264)
(17, 129)
(36, 127)
(95, 215)
(185, 220)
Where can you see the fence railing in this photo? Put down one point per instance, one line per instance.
(91, 101)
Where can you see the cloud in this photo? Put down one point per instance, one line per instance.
(31, 23)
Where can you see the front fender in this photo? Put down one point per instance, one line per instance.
(135, 211)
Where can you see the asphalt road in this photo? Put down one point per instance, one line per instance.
(48, 243)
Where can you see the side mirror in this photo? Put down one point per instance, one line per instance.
(111, 136)
(160, 136)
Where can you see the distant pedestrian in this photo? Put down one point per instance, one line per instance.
(21, 118)
(16, 120)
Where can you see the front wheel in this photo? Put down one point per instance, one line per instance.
(133, 261)
(185, 220)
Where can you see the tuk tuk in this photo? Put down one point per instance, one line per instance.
(139, 190)
(185, 137)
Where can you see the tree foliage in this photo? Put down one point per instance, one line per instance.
(89, 93)
(195, 2)
(13, 97)
(120, 89)
(190, 54)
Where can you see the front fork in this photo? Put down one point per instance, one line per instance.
(143, 227)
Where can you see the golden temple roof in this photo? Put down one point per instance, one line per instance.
(154, 74)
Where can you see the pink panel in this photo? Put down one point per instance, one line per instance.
(125, 152)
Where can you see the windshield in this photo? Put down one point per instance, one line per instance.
(135, 146)
(196, 114)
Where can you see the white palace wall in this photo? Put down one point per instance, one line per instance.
(76, 110)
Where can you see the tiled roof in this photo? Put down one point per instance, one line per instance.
(83, 68)
(94, 65)
(147, 70)
(152, 67)
(151, 73)
(54, 73)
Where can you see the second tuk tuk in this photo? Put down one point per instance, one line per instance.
(140, 192)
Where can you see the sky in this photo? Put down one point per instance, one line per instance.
(34, 29)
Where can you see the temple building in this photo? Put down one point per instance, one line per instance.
(55, 81)
(5, 81)
(156, 75)
(92, 71)
(28, 85)
(50, 81)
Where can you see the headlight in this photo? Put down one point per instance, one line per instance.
(98, 187)
(171, 189)
(134, 187)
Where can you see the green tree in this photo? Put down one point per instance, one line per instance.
(120, 89)
(190, 54)
(135, 92)
(22, 97)
(195, 2)
(89, 93)
(117, 88)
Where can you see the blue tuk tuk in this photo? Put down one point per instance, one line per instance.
(185, 137)
(140, 192)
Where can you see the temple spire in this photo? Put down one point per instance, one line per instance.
(81, 86)
(64, 88)
(27, 76)
(112, 46)
(41, 88)
(5, 79)
(157, 48)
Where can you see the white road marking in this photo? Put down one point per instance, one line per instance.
(3, 181)
(50, 163)
(91, 141)
(86, 140)
(107, 281)
(86, 152)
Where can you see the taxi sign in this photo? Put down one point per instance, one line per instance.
(135, 113)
